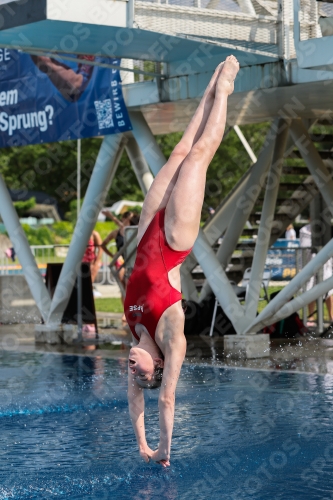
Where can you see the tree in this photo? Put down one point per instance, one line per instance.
(51, 168)
(23, 206)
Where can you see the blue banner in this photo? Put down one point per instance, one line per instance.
(281, 259)
(44, 99)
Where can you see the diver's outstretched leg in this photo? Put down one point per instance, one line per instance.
(183, 210)
(161, 189)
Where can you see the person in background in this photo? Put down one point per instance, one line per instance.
(290, 233)
(135, 219)
(11, 254)
(305, 238)
(93, 255)
(117, 235)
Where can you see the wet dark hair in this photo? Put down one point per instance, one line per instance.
(155, 383)
(158, 375)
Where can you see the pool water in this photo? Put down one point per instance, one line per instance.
(239, 434)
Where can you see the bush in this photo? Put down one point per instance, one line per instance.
(63, 232)
(105, 228)
(72, 214)
(23, 206)
(39, 236)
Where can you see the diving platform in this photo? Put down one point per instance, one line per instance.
(285, 52)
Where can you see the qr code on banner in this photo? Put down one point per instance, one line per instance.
(104, 113)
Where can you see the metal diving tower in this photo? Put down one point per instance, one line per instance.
(285, 51)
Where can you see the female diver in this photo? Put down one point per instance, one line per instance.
(169, 225)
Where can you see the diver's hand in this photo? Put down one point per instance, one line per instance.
(146, 453)
(160, 458)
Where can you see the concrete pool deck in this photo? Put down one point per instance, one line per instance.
(306, 354)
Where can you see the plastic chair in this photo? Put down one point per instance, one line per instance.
(266, 277)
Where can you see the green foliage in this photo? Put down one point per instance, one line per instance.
(62, 232)
(149, 67)
(124, 185)
(51, 168)
(71, 215)
(105, 228)
(40, 236)
(137, 209)
(23, 206)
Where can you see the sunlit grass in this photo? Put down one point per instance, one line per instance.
(109, 305)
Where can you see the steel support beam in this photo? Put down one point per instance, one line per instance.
(245, 5)
(293, 287)
(246, 145)
(315, 164)
(147, 142)
(243, 206)
(266, 221)
(301, 301)
(23, 251)
(216, 226)
(104, 170)
(189, 289)
(139, 165)
(219, 282)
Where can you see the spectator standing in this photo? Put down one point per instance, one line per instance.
(93, 254)
(305, 238)
(290, 233)
(117, 235)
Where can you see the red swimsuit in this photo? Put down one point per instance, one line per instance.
(149, 292)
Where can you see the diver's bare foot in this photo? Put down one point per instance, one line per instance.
(228, 73)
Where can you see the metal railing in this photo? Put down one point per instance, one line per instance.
(262, 26)
(45, 254)
(284, 262)
(128, 253)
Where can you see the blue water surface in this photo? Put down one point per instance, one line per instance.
(239, 434)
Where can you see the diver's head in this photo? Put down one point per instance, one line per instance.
(146, 370)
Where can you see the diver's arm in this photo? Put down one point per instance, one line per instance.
(136, 404)
(174, 357)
